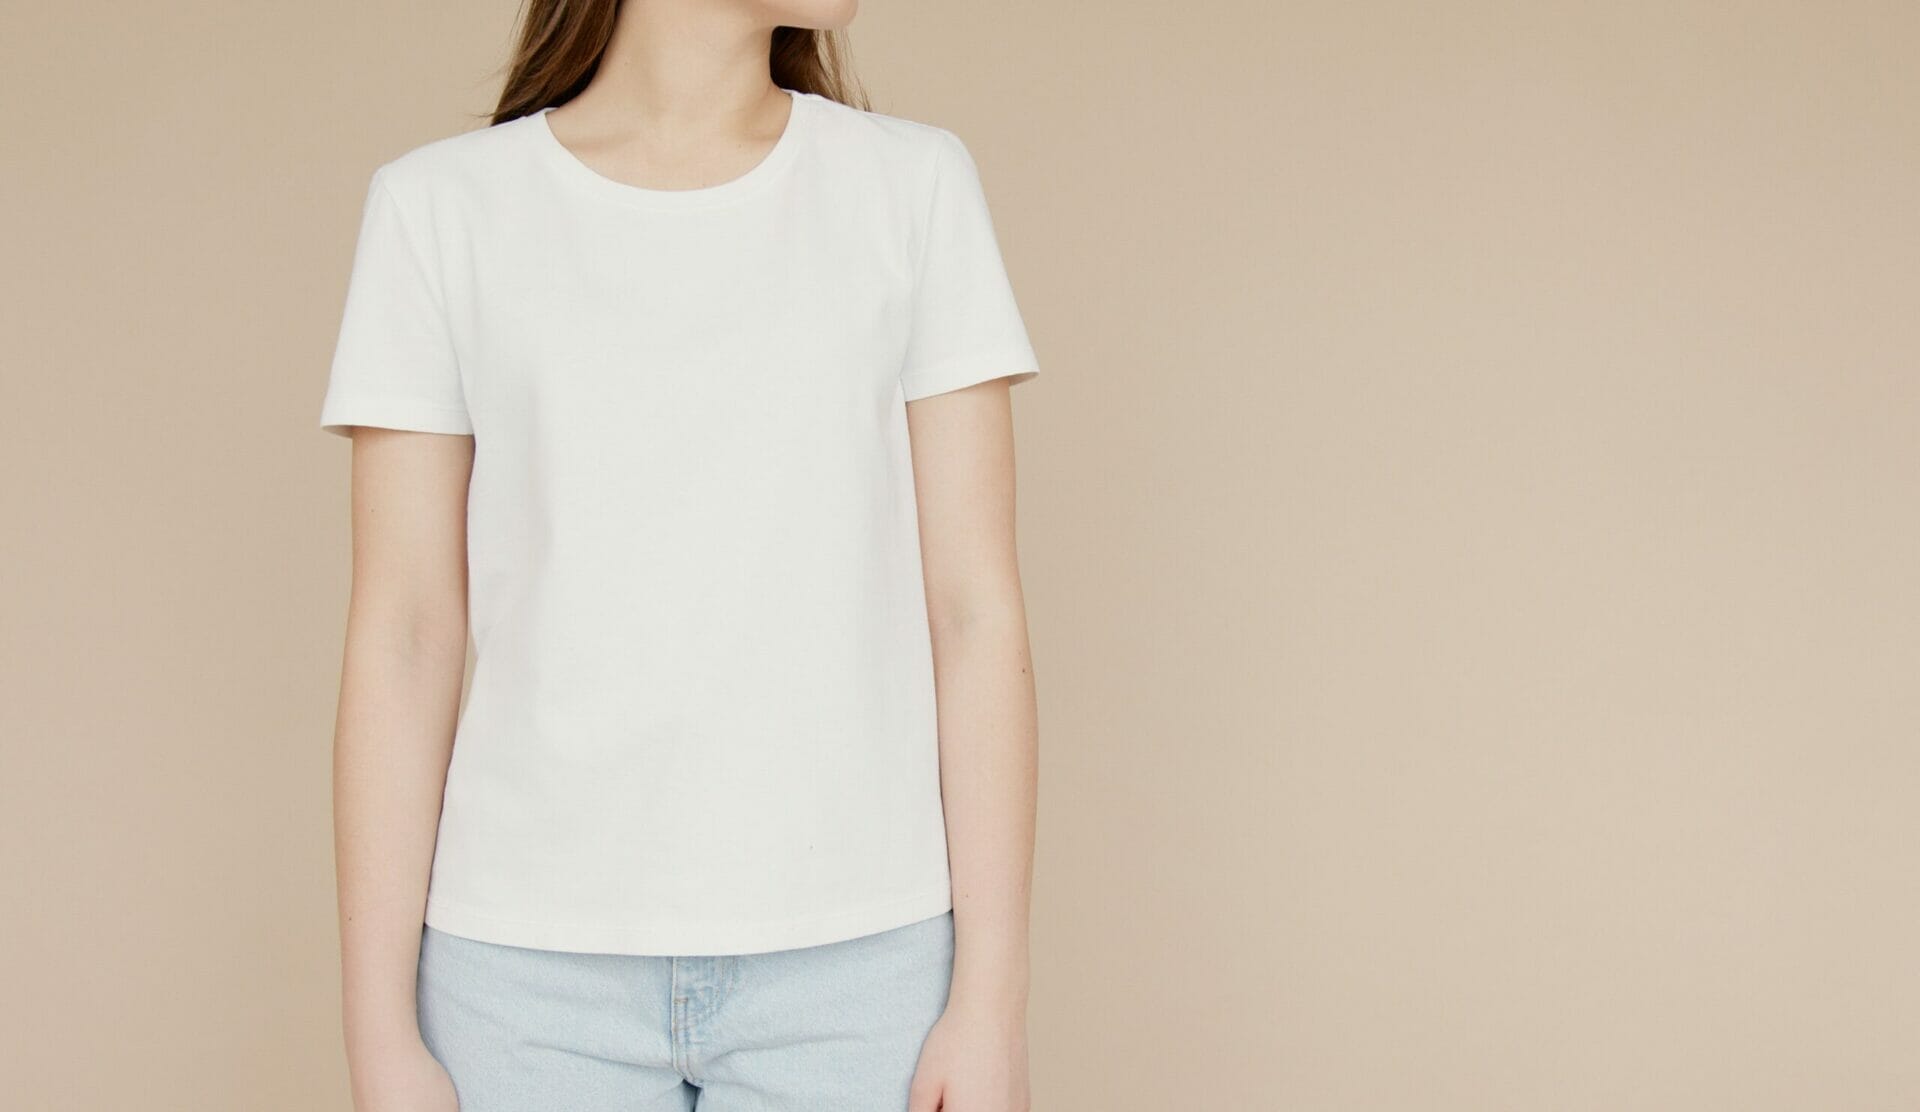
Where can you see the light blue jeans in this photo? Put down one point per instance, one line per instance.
(833, 1028)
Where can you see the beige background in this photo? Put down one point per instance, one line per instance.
(1470, 515)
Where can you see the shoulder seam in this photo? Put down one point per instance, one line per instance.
(934, 176)
(420, 258)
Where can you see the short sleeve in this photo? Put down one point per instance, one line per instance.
(966, 326)
(393, 363)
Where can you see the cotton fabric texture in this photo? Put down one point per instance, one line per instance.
(834, 1027)
(701, 719)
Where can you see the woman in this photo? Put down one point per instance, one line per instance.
(686, 383)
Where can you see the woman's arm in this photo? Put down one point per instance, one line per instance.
(975, 1060)
(406, 651)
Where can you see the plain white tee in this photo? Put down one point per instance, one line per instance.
(701, 719)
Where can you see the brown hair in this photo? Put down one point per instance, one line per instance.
(562, 41)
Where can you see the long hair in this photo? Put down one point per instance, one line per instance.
(561, 43)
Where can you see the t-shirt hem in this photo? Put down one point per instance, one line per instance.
(685, 939)
(1015, 364)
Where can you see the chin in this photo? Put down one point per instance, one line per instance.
(815, 15)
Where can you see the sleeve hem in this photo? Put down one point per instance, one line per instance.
(341, 418)
(1014, 363)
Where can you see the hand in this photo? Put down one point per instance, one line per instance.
(974, 1060)
(405, 1080)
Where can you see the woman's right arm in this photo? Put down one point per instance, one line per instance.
(406, 650)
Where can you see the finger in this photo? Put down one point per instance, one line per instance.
(923, 1095)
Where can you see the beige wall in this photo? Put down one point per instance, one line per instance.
(1470, 517)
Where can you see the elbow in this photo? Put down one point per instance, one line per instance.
(412, 628)
(989, 614)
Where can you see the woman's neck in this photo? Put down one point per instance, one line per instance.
(683, 67)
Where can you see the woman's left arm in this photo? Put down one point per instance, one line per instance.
(975, 1059)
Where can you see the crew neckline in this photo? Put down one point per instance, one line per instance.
(571, 166)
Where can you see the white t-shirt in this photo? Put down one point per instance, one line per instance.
(702, 713)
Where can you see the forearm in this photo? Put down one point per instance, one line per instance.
(400, 691)
(989, 741)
